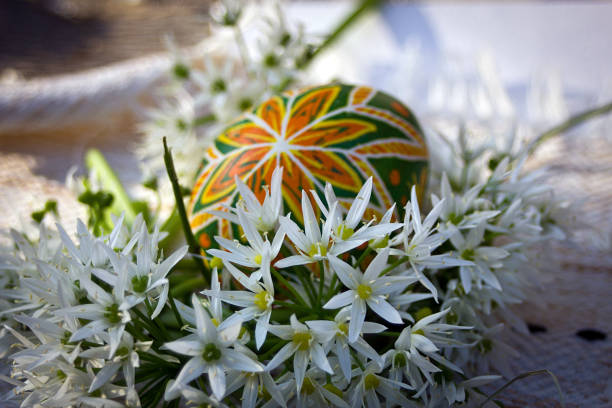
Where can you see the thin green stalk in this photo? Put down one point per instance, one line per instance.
(177, 315)
(321, 285)
(194, 248)
(330, 290)
(362, 7)
(363, 256)
(272, 350)
(95, 161)
(151, 328)
(133, 330)
(525, 375)
(293, 306)
(203, 120)
(394, 265)
(308, 286)
(570, 123)
(356, 360)
(289, 286)
(187, 286)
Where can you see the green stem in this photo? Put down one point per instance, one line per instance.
(273, 350)
(177, 315)
(203, 120)
(308, 286)
(187, 286)
(289, 286)
(330, 290)
(570, 123)
(525, 375)
(394, 265)
(363, 256)
(321, 285)
(95, 161)
(362, 7)
(293, 306)
(172, 226)
(194, 248)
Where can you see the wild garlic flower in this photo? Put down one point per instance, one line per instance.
(263, 215)
(340, 343)
(104, 314)
(211, 352)
(369, 386)
(126, 358)
(258, 254)
(461, 211)
(344, 228)
(369, 289)
(256, 302)
(318, 390)
(485, 259)
(416, 346)
(305, 345)
(313, 243)
(253, 384)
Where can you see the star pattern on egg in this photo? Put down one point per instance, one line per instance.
(340, 134)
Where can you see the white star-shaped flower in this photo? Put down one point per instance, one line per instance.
(212, 352)
(369, 288)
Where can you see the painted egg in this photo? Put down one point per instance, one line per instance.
(341, 134)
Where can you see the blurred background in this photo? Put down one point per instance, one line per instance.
(76, 74)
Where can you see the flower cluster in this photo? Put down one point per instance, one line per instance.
(223, 77)
(343, 311)
(75, 309)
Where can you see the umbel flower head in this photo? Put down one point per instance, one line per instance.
(343, 311)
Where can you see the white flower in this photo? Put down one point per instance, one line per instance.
(417, 344)
(346, 229)
(263, 215)
(259, 254)
(305, 344)
(251, 384)
(484, 259)
(146, 275)
(126, 358)
(256, 303)
(105, 314)
(340, 343)
(318, 390)
(420, 239)
(460, 211)
(312, 243)
(364, 392)
(211, 352)
(369, 288)
(193, 397)
(53, 341)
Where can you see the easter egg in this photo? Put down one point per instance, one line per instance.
(337, 134)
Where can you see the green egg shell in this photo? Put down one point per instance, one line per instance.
(341, 134)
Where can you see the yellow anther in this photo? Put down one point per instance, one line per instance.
(261, 300)
(364, 291)
(317, 249)
(216, 262)
(344, 232)
(302, 340)
(371, 382)
(422, 312)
